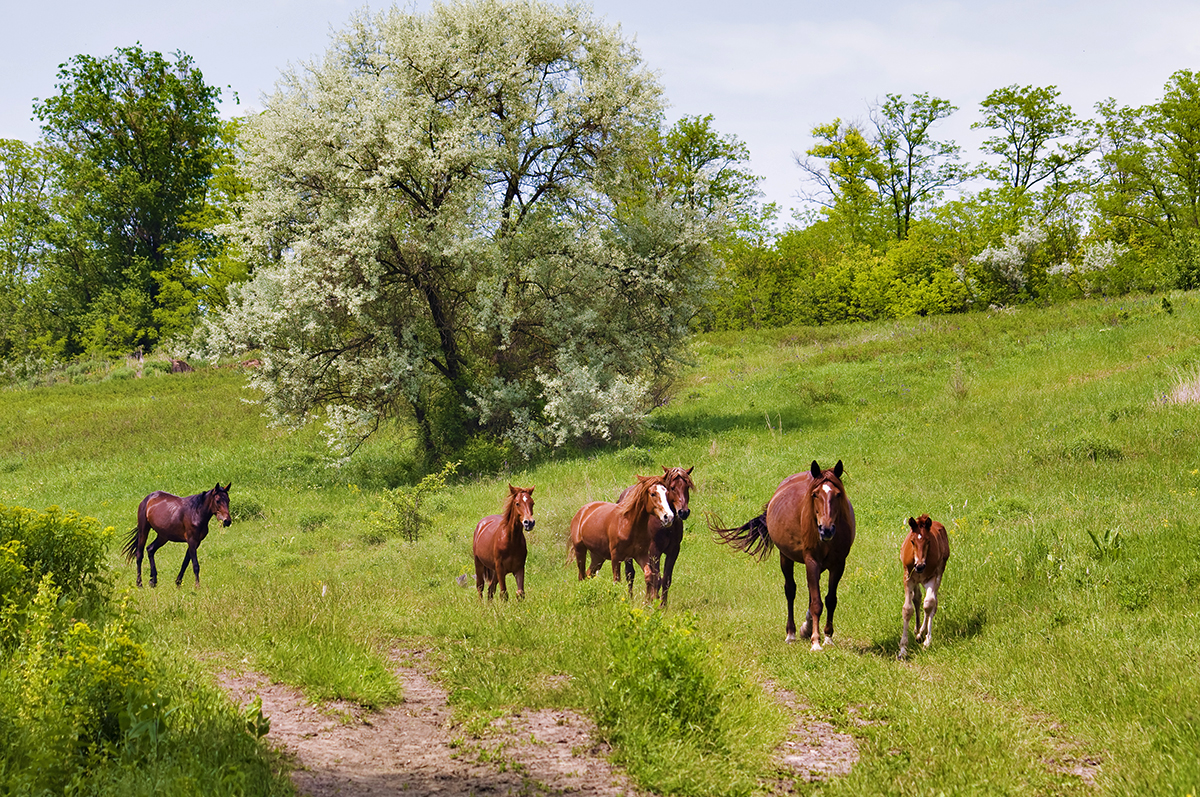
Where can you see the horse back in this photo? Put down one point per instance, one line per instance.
(165, 513)
(592, 524)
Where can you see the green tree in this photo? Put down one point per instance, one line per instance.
(844, 166)
(1149, 192)
(25, 208)
(135, 138)
(1039, 140)
(448, 223)
(914, 167)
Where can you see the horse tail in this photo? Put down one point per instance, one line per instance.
(130, 549)
(751, 537)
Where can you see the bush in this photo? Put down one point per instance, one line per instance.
(68, 545)
(402, 511)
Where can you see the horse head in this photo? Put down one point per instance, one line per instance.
(218, 503)
(827, 498)
(918, 539)
(679, 485)
(656, 501)
(522, 505)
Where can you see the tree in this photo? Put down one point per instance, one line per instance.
(135, 139)
(25, 197)
(448, 222)
(1149, 192)
(847, 175)
(914, 167)
(1039, 139)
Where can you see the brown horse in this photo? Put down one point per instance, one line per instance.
(623, 531)
(667, 539)
(923, 555)
(176, 520)
(499, 545)
(810, 520)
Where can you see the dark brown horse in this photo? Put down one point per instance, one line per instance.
(923, 556)
(500, 546)
(176, 520)
(667, 539)
(811, 521)
(623, 531)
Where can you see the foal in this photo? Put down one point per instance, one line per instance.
(923, 556)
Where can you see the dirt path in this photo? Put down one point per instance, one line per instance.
(341, 751)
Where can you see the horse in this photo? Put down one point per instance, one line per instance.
(668, 538)
(923, 555)
(623, 530)
(176, 520)
(499, 544)
(810, 520)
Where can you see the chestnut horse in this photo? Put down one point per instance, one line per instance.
(176, 520)
(810, 520)
(923, 555)
(667, 539)
(499, 545)
(624, 530)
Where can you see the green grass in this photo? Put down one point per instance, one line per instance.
(1040, 437)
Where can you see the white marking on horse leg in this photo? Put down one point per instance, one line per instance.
(931, 602)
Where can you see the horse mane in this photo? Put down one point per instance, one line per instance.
(637, 492)
(508, 509)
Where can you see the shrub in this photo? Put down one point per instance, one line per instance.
(401, 513)
(68, 545)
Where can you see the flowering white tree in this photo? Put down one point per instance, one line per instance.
(445, 225)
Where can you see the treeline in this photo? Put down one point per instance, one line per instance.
(517, 257)
(1061, 207)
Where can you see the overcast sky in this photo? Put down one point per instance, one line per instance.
(767, 70)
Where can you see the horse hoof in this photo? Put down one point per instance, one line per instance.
(816, 646)
(790, 638)
(903, 654)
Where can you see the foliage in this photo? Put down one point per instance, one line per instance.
(133, 140)
(401, 513)
(664, 707)
(68, 546)
(465, 250)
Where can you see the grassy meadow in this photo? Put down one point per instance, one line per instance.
(1043, 438)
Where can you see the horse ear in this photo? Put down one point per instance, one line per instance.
(837, 469)
(217, 489)
(512, 490)
(815, 470)
(530, 491)
(912, 524)
(227, 486)
(689, 470)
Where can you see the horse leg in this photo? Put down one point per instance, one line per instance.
(629, 574)
(835, 577)
(480, 573)
(789, 590)
(650, 569)
(581, 561)
(664, 581)
(931, 602)
(190, 556)
(918, 599)
(150, 549)
(906, 615)
(812, 572)
(502, 579)
(519, 575)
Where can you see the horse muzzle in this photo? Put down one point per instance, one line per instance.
(919, 567)
(226, 521)
(527, 524)
(683, 513)
(826, 532)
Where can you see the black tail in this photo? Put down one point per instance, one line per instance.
(130, 549)
(751, 537)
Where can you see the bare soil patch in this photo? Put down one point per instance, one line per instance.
(340, 749)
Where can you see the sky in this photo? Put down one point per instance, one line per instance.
(767, 70)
